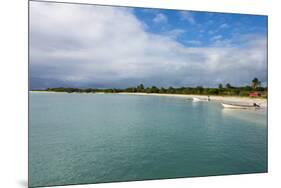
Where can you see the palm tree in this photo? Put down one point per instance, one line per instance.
(228, 86)
(255, 83)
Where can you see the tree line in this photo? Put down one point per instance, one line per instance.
(226, 89)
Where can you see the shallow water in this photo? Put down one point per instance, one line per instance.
(91, 138)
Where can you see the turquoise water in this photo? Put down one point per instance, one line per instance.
(92, 138)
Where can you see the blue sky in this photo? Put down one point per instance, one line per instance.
(203, 27)
(101, 46)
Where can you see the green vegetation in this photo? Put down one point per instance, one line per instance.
(227, 90)
(255, 83)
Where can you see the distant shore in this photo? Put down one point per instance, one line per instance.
(230, 99)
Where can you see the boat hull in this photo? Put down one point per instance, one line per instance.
(236, 106)
(196, 99)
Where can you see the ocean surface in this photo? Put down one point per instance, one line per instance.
(93, 138)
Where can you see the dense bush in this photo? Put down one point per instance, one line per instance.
(230, 91)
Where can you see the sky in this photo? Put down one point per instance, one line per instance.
(76, 45)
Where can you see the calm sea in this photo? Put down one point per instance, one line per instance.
(91, 138)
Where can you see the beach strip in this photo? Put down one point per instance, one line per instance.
(227, 99)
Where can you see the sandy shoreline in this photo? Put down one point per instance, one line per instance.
(229, 99)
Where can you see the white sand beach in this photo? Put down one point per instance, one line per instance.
(228, 99)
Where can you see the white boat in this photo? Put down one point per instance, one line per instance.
(240, 106)
(196, 99)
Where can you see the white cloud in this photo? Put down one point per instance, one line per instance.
(82, 45)
(194, 42)
(217, 37)
(224, 26)
(211, 32)
(174, 33)
(186, 15)
(160, 18)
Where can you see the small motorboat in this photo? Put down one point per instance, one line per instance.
(240, 106)
(196, 99)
